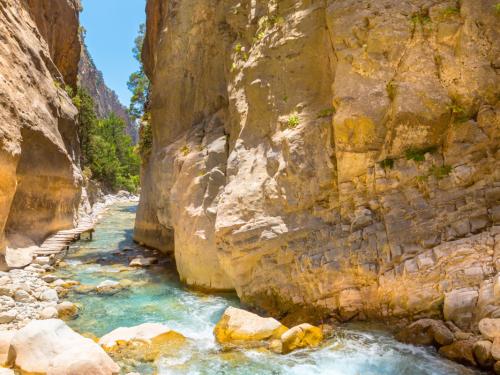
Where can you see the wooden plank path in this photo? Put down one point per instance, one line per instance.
(59, 242)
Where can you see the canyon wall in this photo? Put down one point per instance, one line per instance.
(329, 157)
(106, 100)
(39, 151)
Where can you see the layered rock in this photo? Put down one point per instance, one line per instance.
(39, 177)
(339, 157)
(106, 101)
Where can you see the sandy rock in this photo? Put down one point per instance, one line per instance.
(301, 336)
(5, 339)
(49, 312)
(426, 332)
(489, 328)
(7, 290)
(6, 371)
(49, 278)
(482, 353)
(23, 296)
(460, 351)
(143, 262)
(109, 287)
(50, 346)
(238, 326)
(19, 258)
(458, 307)
(495, 349)
(49, 295)
(7, 316)
(42, 261)
(146, 341)
(67, 310)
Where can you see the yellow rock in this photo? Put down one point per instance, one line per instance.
(143, 342)
(301, 336)
(241, 327)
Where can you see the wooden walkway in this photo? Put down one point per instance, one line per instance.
(59, 242)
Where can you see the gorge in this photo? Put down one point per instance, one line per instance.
(332, 162)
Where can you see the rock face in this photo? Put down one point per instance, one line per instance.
(106, 101)
(339, 156)
(39, 177)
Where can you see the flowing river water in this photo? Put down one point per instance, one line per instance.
(155, 295)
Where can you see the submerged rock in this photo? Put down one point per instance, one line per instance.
(242, 327)
(141, 261)
(302, 336)
(144, 342)
(50, 346)
(109, 287)
(67, 310)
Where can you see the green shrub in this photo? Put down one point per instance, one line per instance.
(497, 8)
(387, 163)
(327, 112)
(440, 171)
(145, 138)
(418, 154)
(458, 113)
(420, 19)
(293, 121)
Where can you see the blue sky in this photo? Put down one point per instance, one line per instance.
(112, 26)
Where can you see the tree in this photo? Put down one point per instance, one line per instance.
(138, 82)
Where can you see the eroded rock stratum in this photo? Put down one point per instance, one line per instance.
(340, 157)
(39, 177)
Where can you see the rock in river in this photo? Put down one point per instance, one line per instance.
(302, 336)
(242, 327)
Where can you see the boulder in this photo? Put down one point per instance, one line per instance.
(5, 339)
(50, 346)
(145, 342)
(301, 336)
(67, 309)
(482, 353)
(460, 351)
(495, 349)
(49, 295)
(6, 371)
(458, 307)
(426, 332)
(489, 328)
(49, 278)
(241, 327)
(19, 258)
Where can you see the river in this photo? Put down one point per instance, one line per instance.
(155, 295)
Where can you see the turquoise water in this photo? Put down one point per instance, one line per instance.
(155, 295)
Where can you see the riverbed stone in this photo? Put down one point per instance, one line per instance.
(460, 351)
(49, 278)
(238, 326)
(302, 336)
(7, 316)
(489, 328)
(49, 295)
(145, 341)
(109, 287)
(141, 261)
(67, 310)
(482, 353)
(426, 332)
(23, 296)
(49, 312)
(50, 346)
(19, 258)
(495, 349)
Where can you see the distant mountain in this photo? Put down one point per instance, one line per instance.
(106, 100)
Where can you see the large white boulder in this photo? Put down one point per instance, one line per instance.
(5, 339)
(51, 347)
(239, 326)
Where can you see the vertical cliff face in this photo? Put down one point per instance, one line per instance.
(335, 156)
(106, 100)
(39, 176)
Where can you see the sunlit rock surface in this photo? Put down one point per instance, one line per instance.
(334, 157)
(39, 177)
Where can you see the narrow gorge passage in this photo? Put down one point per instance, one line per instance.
(156, 295)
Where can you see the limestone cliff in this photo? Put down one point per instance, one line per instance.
(334, 156)
(106, 100)
(39, 177)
